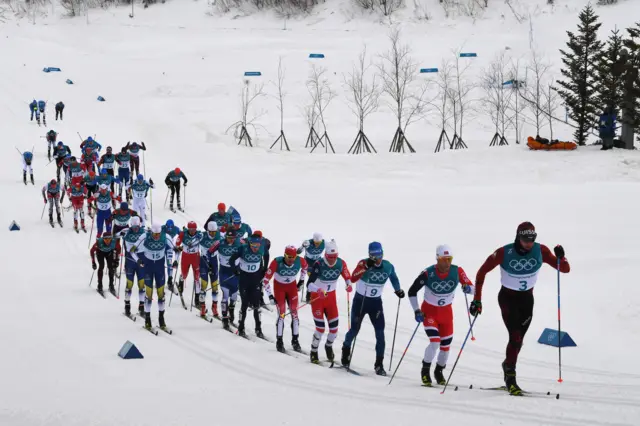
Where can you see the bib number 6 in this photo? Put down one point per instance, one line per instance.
(441, 302)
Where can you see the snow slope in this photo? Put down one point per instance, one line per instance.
(171, 77)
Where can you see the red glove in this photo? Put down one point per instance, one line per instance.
(45, 201)
(349, 287)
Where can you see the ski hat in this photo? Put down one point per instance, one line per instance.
(107, 235)
(140, 177)
(443, 250)
(222, 207)
(526, 231)
(124, 205)
(192, 225)
(156, 228)
(109, 149)
(257, 233)
(254, 239)
(331, 249)
(135, 221)
(89, 139)
(103, 171)
(375, 249)
(317, 237)
(169, 223)
(291, 252)
(231, 233)
(53, 182)
(236, 219)
(212, 226)
(177, 170)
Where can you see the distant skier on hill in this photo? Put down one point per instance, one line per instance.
(520, 263)
(51, 194)
(134, 149)
(107, 252)
(59, 110)
(51, 136)
(173, 183)
(41, 109)
(27, 159)
(220, 217)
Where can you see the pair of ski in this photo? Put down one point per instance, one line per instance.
(101, 293)
(59, 223)
(153, 329)
(78, 230)
(208, 318)
(524, 393)
(26, 184)
(176, 211)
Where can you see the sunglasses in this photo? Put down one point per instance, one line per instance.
(255, 245)
(286, 256)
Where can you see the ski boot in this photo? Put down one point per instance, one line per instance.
(346, 356)
(82, 225)
(329, 352)
(510, 379)
(51, 220)
(225, 322)
(279, 344)
(241, 331)
(141, 308)
(232, 312)
(437, 374)
(24, 177)
(259, 332)
(214, 309)
(100, 289)
(295, 344)
(378, 367)
(147, 320)
(201, 305)
(196, 303)
(112, 289)
(314, 357)
(75, 225)
(425, 374)
(32, 181)
(127, 308)
(181, 286)
(161, 322)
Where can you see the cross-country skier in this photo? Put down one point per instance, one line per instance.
(220, 217)
(313, 249)
(104, 200)
(188, 243)
(239, 226)
(323, 279)
(250, 257)
(27, 159)
(52, 195)
(120, 218)
(139, 191)
(436, 314)
(75, 172)
(284, 270)
(123, 158)
(171, 229)
(91, 183)
(66, 162)
(209, 269)
(134, 149)
(173, 183)
(77, 194)
(33, 107)
(90, 143)
(59, 110)
(228, 279)
(51, 137)
(108, 252)
(108, 162)
(42, 105)
(89, 158)
(520, 263)
(266, 244)
(151, 251)
(131, 268)
(370, 276)
(59, 153)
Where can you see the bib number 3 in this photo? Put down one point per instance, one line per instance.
(523, 285)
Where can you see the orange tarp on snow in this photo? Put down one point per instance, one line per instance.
(552, 146)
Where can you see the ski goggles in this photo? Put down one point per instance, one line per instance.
(375, 256)
(290, 257)
(255, 246)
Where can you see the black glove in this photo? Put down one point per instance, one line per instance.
(559, 251)
(272, 299)
(236, 271)
(151, 182)
(308, 297)
(170, 280)
(371, 263)
(184, 184)
(140, 262)
(475, 308)
(400, 293)
(94, 266)
(175, 264)
(300, 284)
(116, 263)
(177, 249)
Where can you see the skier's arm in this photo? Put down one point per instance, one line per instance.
(138, 248)
(183, 176)
(465, 281)
(395, 282)
(304, 266)
(268, 275)
(413, 290)
(313, 276)
(550, 259)
(234, 258)
(359, 271)
(167, 180)
(92, 252)
(180, 238)
(492, 261)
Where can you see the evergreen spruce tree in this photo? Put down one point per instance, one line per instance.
(632, 44)
(609, 71)
(578, 89)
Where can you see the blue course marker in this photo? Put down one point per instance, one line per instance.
(316, 55)
(252, 73)
(428, 70)
(468, 55)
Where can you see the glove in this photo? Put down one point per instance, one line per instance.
(300, 284)
(45, 201)
(116, 264)
(175, 264)
(349, 288)
(400, 293)
(559, 251)
(305, 244)
(307, 298)
(467, 289)
(320, 294)
(215, 286)
(140, 263)
(419, 315)
(151, 182)
(170, 280)
(370, 263)
(178, 249)
(236, 271)
(94, 266)
(475, 308)
(185, 184)
(300, 250)
(272, 300)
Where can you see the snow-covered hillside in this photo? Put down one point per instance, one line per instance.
(172, 77)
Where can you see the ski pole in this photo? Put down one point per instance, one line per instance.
(184, 206)
(151, 202)
(394, 335)
(193, 293)
(44, 207)
(120, 273)
(299, 307)
(349, 310)
(404, 353)
(466, 302)
(18, 150)
(559, 346)
(357, 324)
(174, 277)
(166, 199)
(144, 165)
(91, 280)
(93, 219)
(459, 353)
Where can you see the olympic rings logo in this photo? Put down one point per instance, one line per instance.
(251, 257)
(379, 276)
(331, 274)
(523, 264)
(288, 272)
(443, 286)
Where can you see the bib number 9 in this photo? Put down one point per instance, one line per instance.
(523, 285)
(373, 292)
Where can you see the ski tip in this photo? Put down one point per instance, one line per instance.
(455, 389)
(470, 386)
(557, 396)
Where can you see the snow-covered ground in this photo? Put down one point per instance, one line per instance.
(172, 77)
